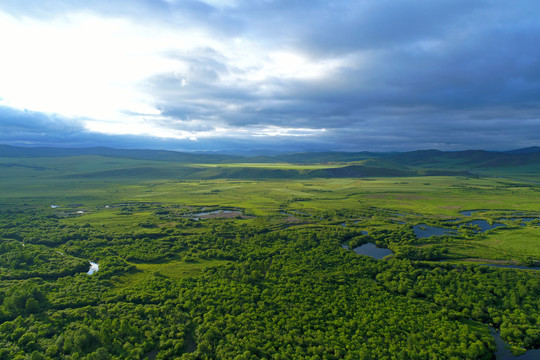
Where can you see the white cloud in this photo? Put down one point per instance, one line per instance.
(221, 3)
(83, 66)
(86, 67)
(287, 132)
(291, 65)
(270, 69)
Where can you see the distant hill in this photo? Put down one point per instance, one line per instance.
(154, 163)
(528, 150)
(325, 157)
(141, 154)
(468, 159)
(465, 160)
(244, 172)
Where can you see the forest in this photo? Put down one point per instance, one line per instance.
(229, 268)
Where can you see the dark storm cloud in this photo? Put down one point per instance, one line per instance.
(447, 74)
(462, 64)
(343, 26)
(28, 126)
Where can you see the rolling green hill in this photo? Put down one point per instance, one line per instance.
(108, 163)
(140, 154)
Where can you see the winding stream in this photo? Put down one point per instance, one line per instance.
(94, 267)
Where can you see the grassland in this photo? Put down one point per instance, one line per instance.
(514, 243)
(177, 269)
(99, 185)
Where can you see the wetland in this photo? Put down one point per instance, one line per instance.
(215, 268)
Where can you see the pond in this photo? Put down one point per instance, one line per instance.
(93, 268)
(425, 231)
(503, 353)
(483, 225)
(370, 249)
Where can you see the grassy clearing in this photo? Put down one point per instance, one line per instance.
(41, 182)
(114, 220)
(175, 270)
(178, 269)
(503, 244)
(521, 242)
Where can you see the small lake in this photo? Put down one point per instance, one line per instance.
(503, 353)
(483, 225)
(93, 268)
(370, 249)
(425, 231)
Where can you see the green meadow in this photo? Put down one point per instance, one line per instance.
(94, 183)
(179, 269)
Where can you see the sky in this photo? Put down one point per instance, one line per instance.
(278, 75)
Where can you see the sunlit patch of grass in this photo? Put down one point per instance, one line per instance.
(274, 166)
(516, 244)
(179, 269)
(520, 242)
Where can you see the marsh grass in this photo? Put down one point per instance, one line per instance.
(96, 182)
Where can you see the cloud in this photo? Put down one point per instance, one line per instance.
(341, 75)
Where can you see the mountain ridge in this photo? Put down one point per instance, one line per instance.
(388, 164)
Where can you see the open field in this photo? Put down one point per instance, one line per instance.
(178, 269)
(100, 196)
(523, 241)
